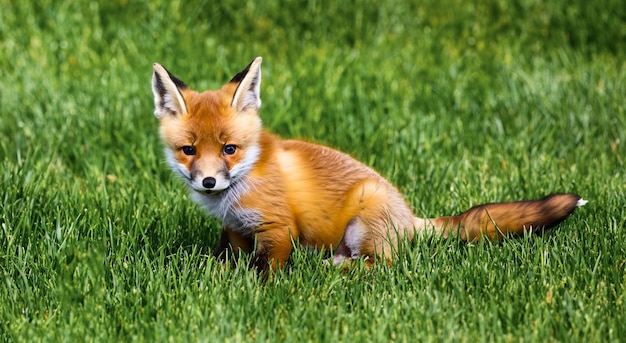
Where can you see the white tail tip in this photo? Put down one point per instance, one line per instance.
(581, 202)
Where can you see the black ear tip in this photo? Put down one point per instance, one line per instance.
(237, 78)
(158, 70)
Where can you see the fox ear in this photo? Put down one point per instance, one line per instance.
(248, 93)
(168, 98)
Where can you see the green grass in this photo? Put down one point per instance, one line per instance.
(457, 103)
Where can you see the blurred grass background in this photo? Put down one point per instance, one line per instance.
(457, 103)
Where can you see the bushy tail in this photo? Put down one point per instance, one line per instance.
(501, 219)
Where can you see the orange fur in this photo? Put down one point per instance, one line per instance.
(513, 218)
(269, 191)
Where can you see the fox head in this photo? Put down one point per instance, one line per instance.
(211, 138)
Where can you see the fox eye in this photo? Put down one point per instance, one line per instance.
(229, 149)
(189, 150)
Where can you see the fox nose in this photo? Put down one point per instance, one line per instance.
(209, 182)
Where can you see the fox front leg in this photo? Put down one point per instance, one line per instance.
(273, 246)
(232, 244)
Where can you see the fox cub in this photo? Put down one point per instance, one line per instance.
(268, 191)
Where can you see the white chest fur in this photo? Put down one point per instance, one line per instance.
(226, 207)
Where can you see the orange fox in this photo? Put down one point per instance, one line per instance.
(269, 191)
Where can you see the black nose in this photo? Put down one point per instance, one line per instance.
(209, 182)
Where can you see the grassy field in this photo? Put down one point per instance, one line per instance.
(456, 102)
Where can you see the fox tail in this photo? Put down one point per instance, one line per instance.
(496, 220)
